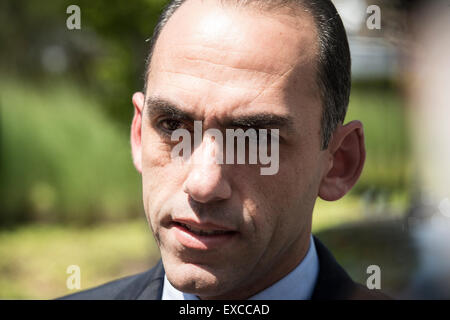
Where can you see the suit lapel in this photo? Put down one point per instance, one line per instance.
(154, 288)
(147, 286)
(332, 282)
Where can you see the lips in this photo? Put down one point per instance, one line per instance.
(201, 232)
(201, 236)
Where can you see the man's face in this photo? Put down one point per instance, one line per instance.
(217, 64)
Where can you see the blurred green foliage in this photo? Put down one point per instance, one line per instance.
(107, 55)
(388, 167)
(62, 159)
(66, 109)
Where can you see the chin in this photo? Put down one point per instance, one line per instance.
(195, 279)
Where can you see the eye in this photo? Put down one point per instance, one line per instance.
(170, 125)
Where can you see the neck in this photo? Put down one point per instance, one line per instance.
(272, 273)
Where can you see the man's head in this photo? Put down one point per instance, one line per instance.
(224, 62)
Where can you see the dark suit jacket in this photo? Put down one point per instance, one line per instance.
(333, 283)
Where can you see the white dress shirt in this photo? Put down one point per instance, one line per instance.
(297, 285)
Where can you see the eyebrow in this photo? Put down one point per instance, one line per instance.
(263, 120)
(158, 106)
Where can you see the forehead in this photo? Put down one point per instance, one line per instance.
(222, 59)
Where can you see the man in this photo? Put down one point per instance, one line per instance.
(226, 231)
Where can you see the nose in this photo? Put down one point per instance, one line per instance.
(206, 181)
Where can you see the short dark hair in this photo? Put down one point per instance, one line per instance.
(333, 65)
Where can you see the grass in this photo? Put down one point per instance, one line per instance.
(35, 257)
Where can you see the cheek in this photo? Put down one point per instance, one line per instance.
(283, 201)
(158, 173)
(263, 198)
(155, 153)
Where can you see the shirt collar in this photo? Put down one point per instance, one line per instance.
(297, 285)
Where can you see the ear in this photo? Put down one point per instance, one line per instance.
(347, 155)
(136, 130)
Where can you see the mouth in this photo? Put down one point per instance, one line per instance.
(202, 237)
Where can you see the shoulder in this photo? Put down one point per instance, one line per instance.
(131, 287)
(333, 282)
(362, 293)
